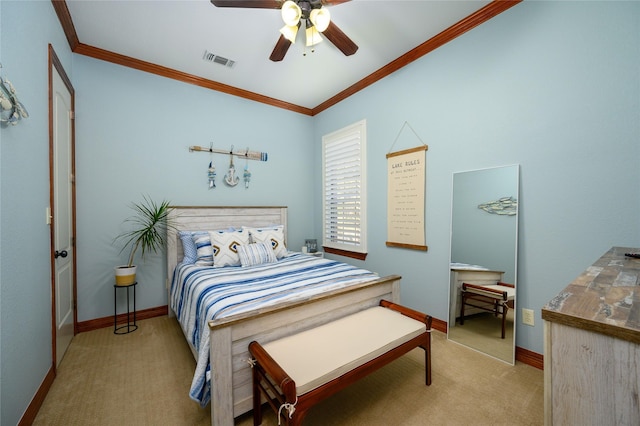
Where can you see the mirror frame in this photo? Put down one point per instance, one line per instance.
(474, 274)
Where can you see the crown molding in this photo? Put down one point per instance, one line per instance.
(479, 17)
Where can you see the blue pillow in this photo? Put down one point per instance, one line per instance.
(188, 246)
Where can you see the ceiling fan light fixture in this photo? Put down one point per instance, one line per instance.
(289, 32)
(291, 13)
(320, 18)
(313, 36)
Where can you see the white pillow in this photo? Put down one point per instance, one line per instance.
(256, 254)
(224, 245)
(272, 235)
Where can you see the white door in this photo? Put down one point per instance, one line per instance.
(63, 210)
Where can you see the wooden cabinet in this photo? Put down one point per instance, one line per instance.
(592, 345)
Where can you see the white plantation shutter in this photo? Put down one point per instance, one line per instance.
(344, 188)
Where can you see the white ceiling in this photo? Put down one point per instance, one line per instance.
(176, 35)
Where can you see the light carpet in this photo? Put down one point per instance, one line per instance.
(483, 333)
(143, 378)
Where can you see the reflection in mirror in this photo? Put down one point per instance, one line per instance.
(484, 240)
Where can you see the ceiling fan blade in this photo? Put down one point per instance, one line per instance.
(256, 4)
(340, 39)
(333, 2)
(265, 4)
(280, 50)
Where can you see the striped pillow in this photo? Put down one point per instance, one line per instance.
(204, 251)
(189, 249)
(256, 254)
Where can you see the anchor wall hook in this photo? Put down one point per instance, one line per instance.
(230, 178)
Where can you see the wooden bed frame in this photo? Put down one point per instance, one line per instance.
(231, 376)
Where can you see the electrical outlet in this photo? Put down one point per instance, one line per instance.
(527, 316)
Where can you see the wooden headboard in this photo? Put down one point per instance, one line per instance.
(188, 218)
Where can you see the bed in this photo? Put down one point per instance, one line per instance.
(221, 346)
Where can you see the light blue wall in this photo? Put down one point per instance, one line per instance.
(26, 29)
(553, 86)
(480, 238)
(133, 133)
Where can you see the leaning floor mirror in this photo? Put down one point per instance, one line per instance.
(483, 262)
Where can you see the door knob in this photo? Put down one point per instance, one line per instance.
(62, 253)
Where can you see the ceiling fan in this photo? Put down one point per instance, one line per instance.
(312, 13)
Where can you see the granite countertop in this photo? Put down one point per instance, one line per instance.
(605, 298)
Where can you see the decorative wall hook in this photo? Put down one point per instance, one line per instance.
(212, 175)
(11, 109)
(247, 174)
(230, 178)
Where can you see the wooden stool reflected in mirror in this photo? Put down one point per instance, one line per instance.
(497, 298)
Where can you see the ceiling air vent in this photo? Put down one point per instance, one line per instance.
(216, 59)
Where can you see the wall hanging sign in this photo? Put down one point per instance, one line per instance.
(405, 197)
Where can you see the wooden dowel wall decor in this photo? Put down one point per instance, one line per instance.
(251, 155)
(230, 178)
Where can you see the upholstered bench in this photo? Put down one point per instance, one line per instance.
(496, 298)
(298, 371)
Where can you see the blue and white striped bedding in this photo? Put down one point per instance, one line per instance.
(200, 294)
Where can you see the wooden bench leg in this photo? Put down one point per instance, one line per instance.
(257, 399)
(427, 361)
(505, 309)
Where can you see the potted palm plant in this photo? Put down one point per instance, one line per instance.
(149, 233)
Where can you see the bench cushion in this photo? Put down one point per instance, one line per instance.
(316, 356)
(511, 292)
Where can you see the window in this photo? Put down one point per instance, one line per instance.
(344, 191)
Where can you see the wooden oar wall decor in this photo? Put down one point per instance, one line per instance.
(230, 178)
(251, 155)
